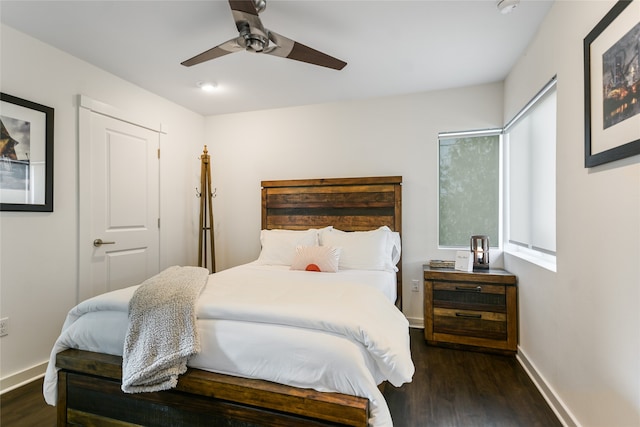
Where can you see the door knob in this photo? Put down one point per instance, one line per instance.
(98, 242)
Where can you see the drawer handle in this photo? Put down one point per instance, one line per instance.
(469, 316)
(469, 288)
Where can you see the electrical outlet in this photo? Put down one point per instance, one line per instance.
(4, 326)
(415, 285)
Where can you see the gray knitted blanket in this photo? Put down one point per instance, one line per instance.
(162, 332)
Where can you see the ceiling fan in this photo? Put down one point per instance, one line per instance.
(254, 37)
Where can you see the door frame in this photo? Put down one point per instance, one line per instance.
(86, 107)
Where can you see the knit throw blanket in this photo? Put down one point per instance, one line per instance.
(162, 332)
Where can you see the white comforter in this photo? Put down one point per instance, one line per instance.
(326, 331)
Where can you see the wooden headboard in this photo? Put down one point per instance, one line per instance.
(349, 204)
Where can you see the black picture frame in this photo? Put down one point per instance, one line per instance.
(605, 136)
(26, 155)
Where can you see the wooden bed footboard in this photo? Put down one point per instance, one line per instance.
(89, 394)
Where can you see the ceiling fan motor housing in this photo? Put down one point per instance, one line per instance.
(255, 43)
(251, 41)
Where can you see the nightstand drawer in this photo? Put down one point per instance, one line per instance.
(478, 324)
(479, 297)
(476, 310)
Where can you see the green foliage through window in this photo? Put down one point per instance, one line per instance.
(469, 186)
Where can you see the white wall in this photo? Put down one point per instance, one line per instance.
(38, 251)
(386, 136)
(579, 326)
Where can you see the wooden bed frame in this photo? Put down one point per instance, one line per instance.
(89, 383)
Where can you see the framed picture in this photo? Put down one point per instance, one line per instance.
(26, 155)
(612, 86)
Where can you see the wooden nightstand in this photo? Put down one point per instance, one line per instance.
(474, 310)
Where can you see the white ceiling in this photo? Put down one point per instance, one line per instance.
(391, 47)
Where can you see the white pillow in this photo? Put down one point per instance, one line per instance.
(363, 250)
(316, 258)
(322, 232)
(279, 246)
(396, 250)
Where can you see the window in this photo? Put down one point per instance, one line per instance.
(470, 183)
(530, 153)
(469, 187)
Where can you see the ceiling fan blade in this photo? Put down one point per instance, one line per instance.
(225, 48)
(245, 6)
(287, 48)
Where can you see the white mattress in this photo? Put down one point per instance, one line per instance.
(335, 332)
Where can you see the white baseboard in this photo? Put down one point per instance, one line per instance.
(416, 322)
(559, 408)
(23, 377)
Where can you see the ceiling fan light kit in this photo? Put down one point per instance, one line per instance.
(507, 6)
(254, 37)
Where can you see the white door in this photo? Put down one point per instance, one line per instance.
(119, 204)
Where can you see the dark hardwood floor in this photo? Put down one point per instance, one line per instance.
(451, 388)
(456, 388)
(25, 407)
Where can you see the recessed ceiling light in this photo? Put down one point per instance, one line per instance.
(207, 86)
(506, 6)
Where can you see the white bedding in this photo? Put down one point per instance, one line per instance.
(327, 331)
